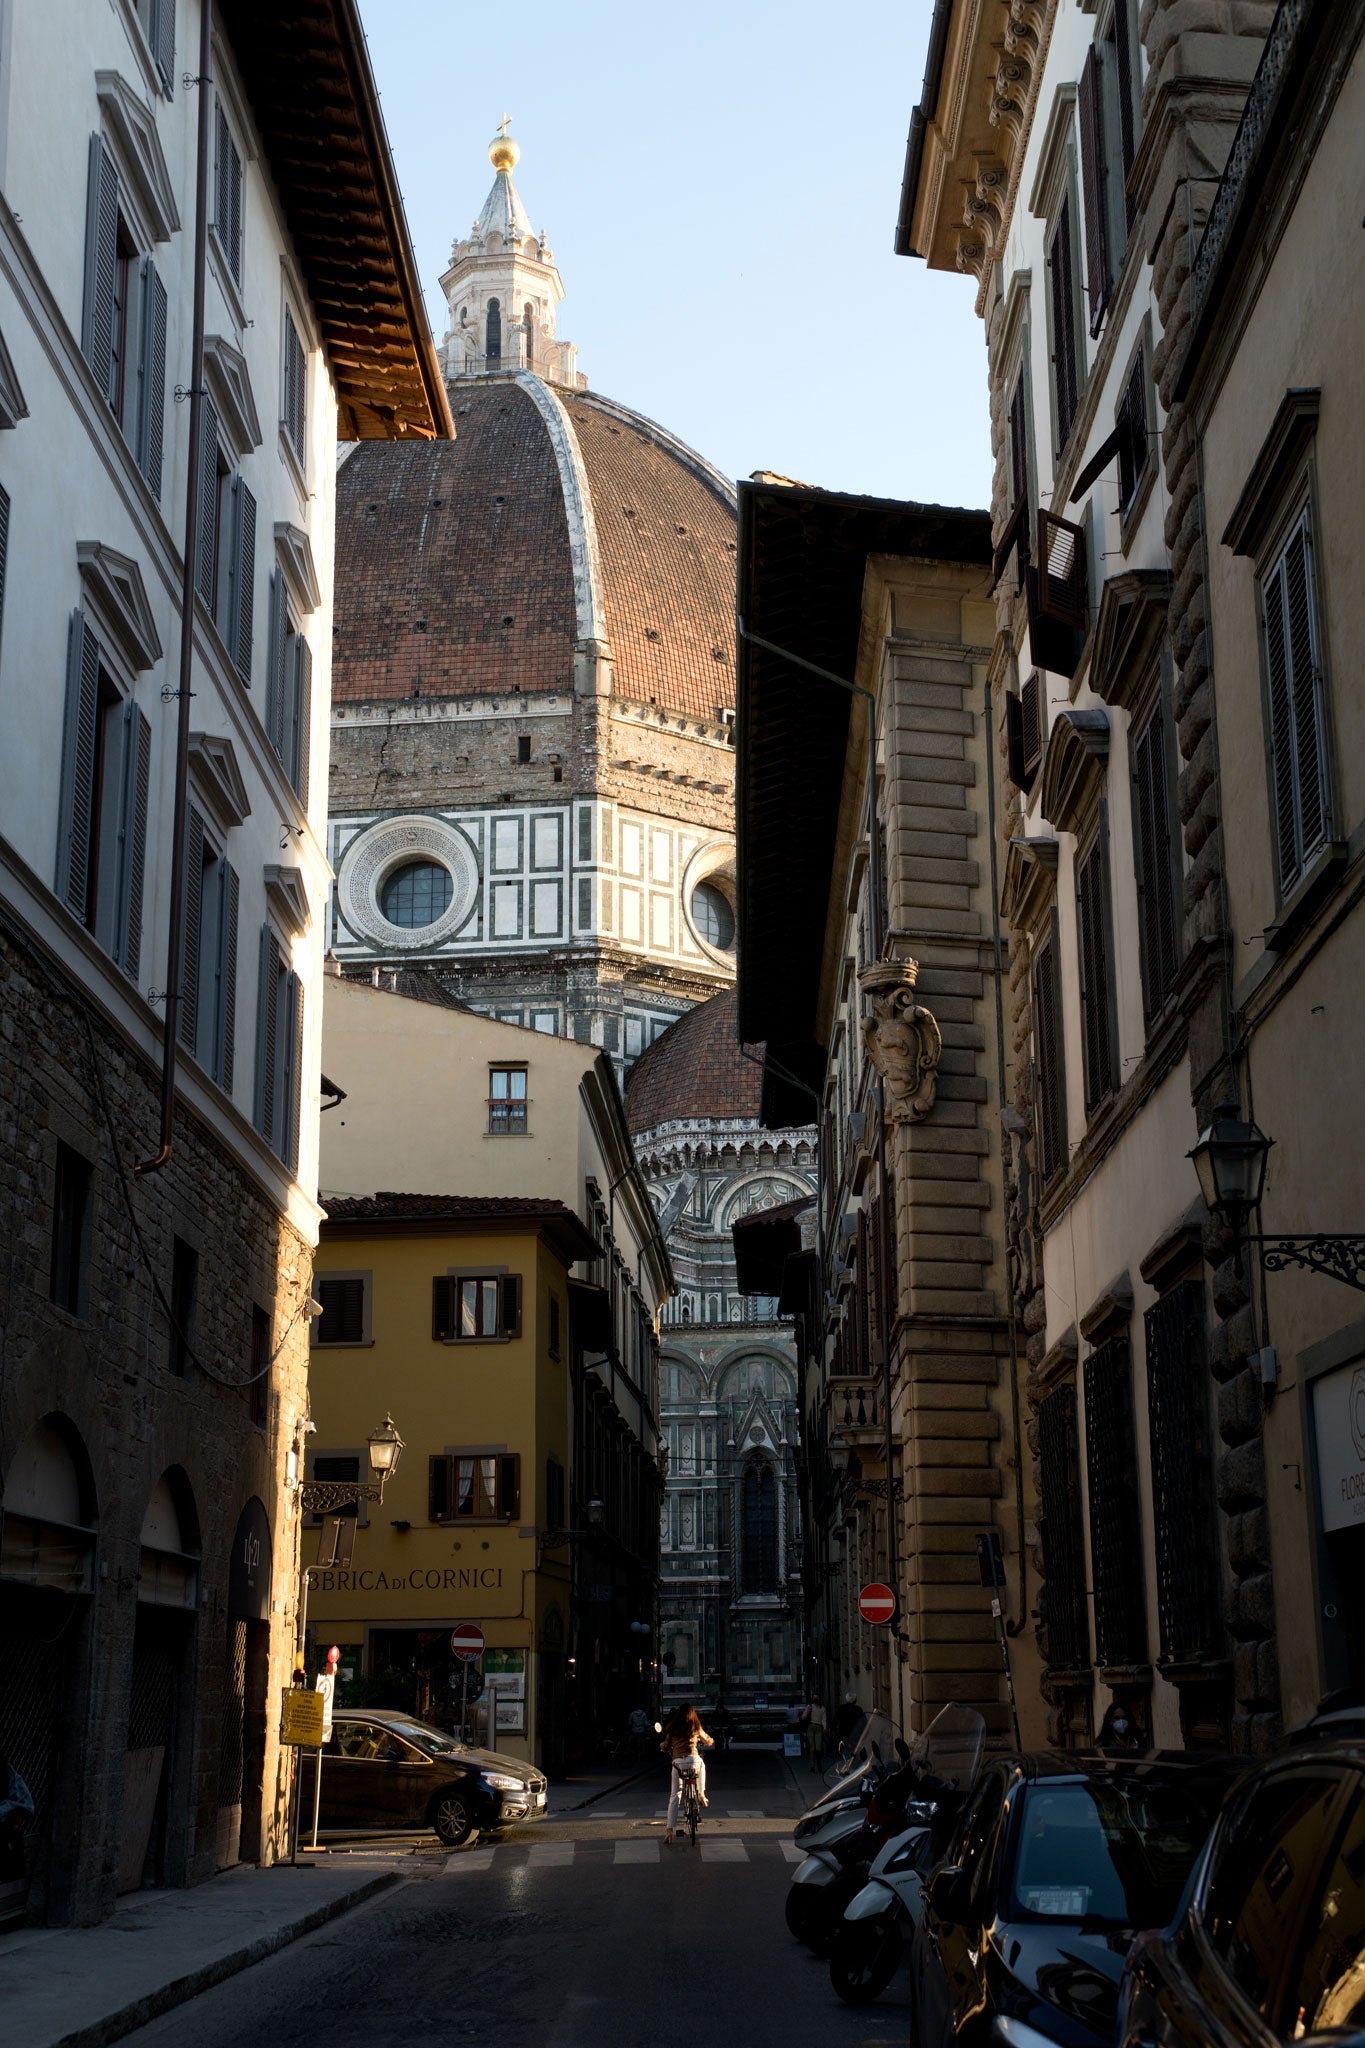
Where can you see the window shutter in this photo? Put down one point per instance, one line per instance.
(1308, 748)
(294, 418)
(1096, 1020)
(438, 1489)
(78, 767)
(1047, 1029)
(163, 41)
(228, 194)
(226, 1034)
(244, 577)
(442, 1309)
(1031, 723)
(137, 756)
(510, 1305)
(1156, 867)
(4, 547)
(101, 266)
(266, 1000)
(206, 570)
(509, 1485)
(1063, 325)
(151, 423)
(1092, 186)
(294, 1099)
(1131, 434)
(188, 1031)
(1123, 50)
(303, 717)
(1019, 444)
(274, 681)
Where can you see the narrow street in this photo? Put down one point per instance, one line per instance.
(582, 1930)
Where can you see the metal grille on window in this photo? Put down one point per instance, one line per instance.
(1063, 1595)
(232, 1746)
(1182, 1518)
(1115, 1516)
(30, 1704)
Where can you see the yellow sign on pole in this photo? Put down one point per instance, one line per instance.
(301, 1723)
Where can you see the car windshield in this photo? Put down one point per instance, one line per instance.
(1114, 1852)
(432, 1740)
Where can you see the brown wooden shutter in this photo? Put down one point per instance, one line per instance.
(509, 1305)
(1158, 920)
(439, 1489)
(151, 418)
(1063, 578)
(242, 623)
(187, 1028)
(206, 563)
(227, 981)
(78, 767)
(1092, 187)
(443, 1300)
(1097, 1033)
(1051, 1073)
(1031, 723)
(509, 1485)
(1063, 324)
(136, 791)
(1123, 51)
(101, 266)
(266, 1007)
(1019, 486)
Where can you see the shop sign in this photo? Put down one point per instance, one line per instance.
(1339, 1423)
(428, 1579)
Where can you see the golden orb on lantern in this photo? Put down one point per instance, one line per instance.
(503, 152)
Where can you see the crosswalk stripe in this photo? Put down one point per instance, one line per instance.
(468, 1859)
(792, 1853)
(725, 1849)
(744, 1813)
(636, 1852)
(550, 1855)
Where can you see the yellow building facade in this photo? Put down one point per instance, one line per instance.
(453, 1314)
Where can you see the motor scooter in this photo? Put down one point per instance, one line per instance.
(841, 1837)
(880, 1918)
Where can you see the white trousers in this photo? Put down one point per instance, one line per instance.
(675, 1796)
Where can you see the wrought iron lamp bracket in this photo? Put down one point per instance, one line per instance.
(1340, 1256)
(325, 1496)
(876, 1488)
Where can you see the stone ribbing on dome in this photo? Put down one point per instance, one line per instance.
(440, 544)
(695, 1069)
(666, 548)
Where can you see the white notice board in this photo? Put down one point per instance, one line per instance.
(1339, 1425)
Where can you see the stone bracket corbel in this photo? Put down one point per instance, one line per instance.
(902, 1038)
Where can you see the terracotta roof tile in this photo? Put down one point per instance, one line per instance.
(696, 1069)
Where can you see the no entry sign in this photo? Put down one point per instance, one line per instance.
(876, 1603)
(466, 1642)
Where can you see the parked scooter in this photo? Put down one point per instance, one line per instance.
(841, 1837)
(881, 1918)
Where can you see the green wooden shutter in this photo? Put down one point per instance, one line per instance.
(294, 1097)
(137, 769)
(4, 548)
(301, 751)
(151, 421)
(101, 266)
(226, 1035)
(267, 998)
(1092, 187)
(163, 41)
(275, 677)
(206, 565)
(190, 965)
(1301, 635)
(78, 767)
(242, 622)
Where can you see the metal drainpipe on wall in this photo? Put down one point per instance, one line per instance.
(175, 946)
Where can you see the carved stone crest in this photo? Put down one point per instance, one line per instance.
(902, 1038)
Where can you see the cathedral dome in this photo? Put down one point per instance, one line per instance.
(555, 521)
(696, 1069)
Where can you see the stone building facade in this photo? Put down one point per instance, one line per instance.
(532, 729)
(158, 1067)
(1113, 160)
(731, 1619)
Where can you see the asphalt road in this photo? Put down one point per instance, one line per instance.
(583, 1931)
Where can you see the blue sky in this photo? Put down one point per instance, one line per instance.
(719, 184)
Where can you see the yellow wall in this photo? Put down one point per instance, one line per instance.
(510, 1395)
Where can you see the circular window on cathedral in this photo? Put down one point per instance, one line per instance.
(713, 917)
(416, 894)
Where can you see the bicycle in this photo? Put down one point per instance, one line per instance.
(691, 1799)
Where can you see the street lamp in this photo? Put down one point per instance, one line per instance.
(325, 1496)
(1230, 1160)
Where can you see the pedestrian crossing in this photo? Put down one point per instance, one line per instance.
(635, 1849)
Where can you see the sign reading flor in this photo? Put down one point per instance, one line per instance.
(1339, 1422)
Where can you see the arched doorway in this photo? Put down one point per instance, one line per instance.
(167, 1599)
(246, 1672)
(47, 1574)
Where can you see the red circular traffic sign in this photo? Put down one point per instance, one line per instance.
(876, 1603)
(466, 1642)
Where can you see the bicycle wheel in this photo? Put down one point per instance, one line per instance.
(693, 1813)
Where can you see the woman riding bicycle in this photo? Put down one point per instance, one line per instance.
(682, 1734)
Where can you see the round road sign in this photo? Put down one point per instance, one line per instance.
(466, 1642)
(876, 1603)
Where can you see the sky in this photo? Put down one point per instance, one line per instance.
(719, 185)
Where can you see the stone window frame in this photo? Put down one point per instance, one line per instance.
(365, 1274)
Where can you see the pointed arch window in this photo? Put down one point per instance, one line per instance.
(493, 341)
(528, 327)
(758, 1514)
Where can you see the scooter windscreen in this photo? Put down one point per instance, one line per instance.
(949, 1750)
(873, 1748)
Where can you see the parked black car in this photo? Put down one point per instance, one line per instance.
(1057, 1861)
(385, 1770)
(1270, 1941)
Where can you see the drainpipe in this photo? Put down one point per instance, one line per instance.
(1015, 1423)
(175, 942)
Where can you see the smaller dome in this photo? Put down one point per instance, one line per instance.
(696, 1069)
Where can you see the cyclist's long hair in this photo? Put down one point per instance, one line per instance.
(684, 1721)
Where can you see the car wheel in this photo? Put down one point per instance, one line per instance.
(864, 1961)
(452, 1816)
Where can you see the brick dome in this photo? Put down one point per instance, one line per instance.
(555, 519)
(695, 1069)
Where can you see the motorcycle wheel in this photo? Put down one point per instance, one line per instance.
(828, 1918)
(804, 1912)
(864, 1961)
